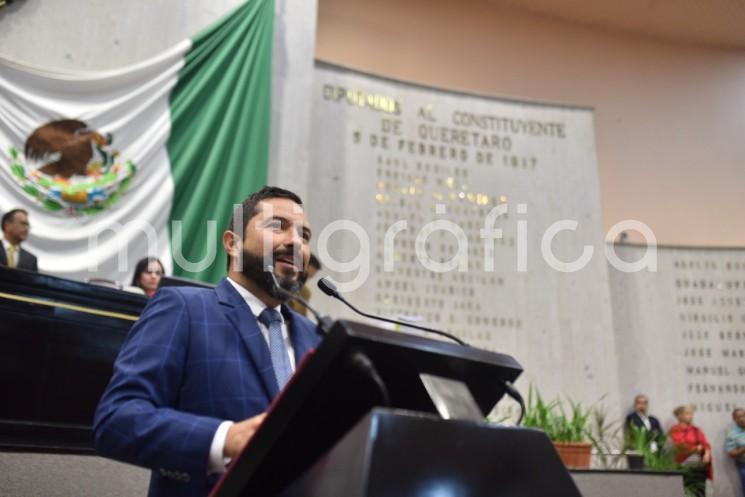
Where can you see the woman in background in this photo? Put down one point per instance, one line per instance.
(148, 273)
(693, 450)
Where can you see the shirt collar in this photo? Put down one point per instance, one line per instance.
(254, 303)
(7, 244)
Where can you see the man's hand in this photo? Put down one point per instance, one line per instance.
(239, 434)
(707, 457)
(736, 453)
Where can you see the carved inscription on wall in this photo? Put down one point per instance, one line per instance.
(710, 306)
(430, 176)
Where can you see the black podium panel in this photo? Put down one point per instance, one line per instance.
(58, 342)
(331, 392)
(393, 453)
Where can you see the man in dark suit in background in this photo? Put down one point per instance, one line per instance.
(201, 366)
(641, 419)
(16, 227)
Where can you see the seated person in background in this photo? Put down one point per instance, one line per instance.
(641, 419)
(693, 450)
(735, 444)
(148, 273)
(314, 265)
(15, 230)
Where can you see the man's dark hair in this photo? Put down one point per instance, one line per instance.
(250, 207)
(315, 262)
(8, 216)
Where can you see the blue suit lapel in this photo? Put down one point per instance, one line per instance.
(240, 316)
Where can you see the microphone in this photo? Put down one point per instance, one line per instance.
(323, 322)
(329, 289)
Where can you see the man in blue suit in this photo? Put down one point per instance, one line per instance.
(201, 366)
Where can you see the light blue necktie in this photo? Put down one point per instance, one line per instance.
(277, 348)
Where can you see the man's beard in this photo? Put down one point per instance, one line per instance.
(253, 269)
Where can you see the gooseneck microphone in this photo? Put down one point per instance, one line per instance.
(329, 289)
(323, 322)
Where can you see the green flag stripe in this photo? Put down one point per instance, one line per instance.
(220, 115)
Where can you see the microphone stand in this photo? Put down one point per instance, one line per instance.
(329, 289)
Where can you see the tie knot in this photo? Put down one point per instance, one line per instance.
(269, 316)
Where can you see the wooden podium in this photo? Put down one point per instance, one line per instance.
(357, 420)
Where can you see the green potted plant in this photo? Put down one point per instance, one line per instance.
(638, 447)
(607, 439)
(661, 457)
(657, 456)
(567, 427)
(650, 451)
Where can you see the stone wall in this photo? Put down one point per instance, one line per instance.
(680, 337)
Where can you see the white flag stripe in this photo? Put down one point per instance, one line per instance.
(133, 105)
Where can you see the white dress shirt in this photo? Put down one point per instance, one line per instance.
(217, 462)
(648, 425)
(645, 420)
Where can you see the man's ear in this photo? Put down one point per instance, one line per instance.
(231, 243)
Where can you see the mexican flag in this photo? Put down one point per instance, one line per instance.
(146, 160)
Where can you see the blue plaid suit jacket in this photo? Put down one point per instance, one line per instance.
(195, 358)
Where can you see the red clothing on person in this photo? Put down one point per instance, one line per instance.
(687, 439)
